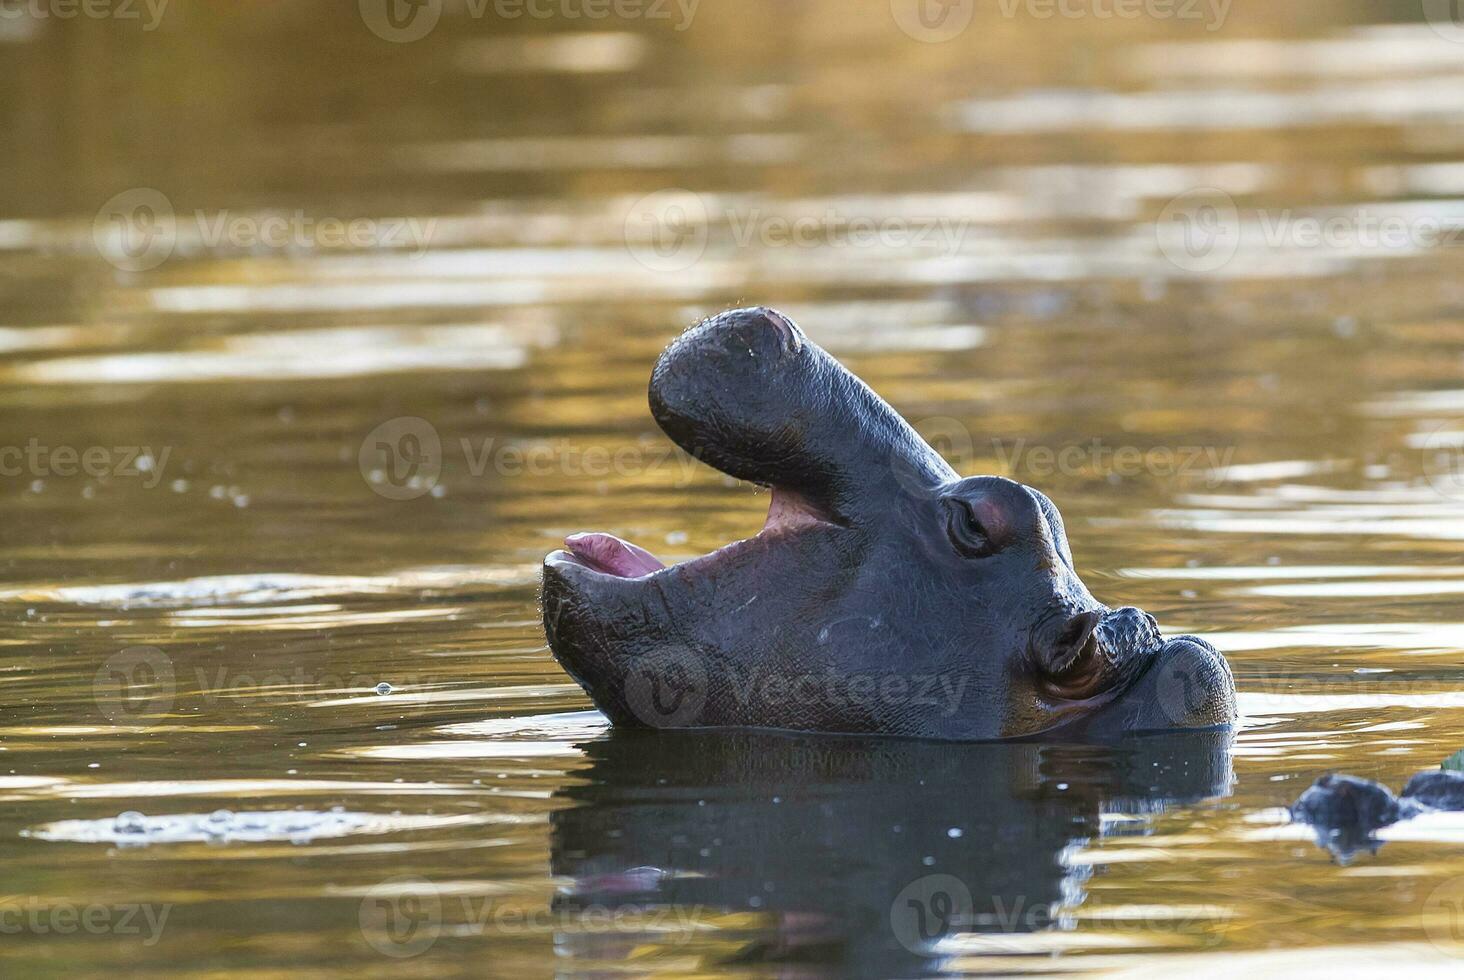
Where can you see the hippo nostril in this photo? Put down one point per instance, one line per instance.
(1073, 641)
(789, 337)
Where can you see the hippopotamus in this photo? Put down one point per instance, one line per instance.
(885, 594)
(1344, 811)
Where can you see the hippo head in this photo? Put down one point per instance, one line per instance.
(885, 594)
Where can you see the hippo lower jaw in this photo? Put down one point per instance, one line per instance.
(611, 606)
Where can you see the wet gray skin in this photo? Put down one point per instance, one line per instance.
(884, 595)
(1344, 811)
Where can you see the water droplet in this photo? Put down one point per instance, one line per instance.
(130, 822)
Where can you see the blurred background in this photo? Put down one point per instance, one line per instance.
(320, 324)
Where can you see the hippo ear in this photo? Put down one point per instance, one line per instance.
(748, 393)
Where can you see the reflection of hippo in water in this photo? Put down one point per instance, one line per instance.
(1346, 810)
(844, 855)
(884, 595)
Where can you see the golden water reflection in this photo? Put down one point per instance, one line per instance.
(451, 231)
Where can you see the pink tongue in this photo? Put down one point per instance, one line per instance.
(609, 554)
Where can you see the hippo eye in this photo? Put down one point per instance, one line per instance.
(966, 530)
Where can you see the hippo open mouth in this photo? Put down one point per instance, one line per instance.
(883, 594)
(610, 555)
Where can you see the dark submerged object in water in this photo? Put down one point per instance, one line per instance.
(846, 856)
(1344, 811)
(885, 594)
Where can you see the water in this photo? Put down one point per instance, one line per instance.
(236, 576)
